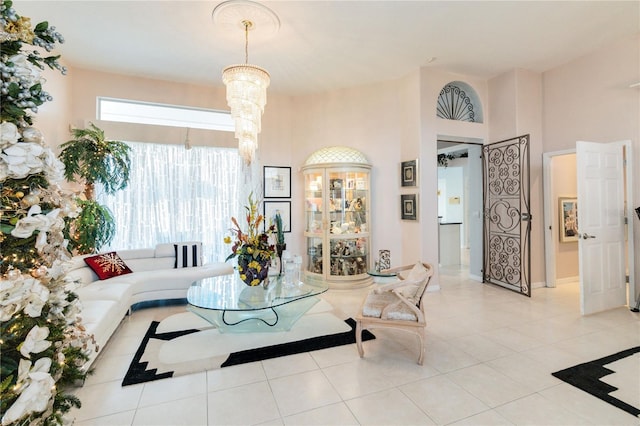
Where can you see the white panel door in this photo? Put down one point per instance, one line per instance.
(601, 228)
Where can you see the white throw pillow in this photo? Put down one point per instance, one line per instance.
(418, 273)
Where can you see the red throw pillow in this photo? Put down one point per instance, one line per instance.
(107, 265)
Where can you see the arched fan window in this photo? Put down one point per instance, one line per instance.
(458, 101)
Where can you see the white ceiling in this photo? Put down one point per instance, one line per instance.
(323, 45)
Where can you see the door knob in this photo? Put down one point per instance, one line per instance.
(585, 236)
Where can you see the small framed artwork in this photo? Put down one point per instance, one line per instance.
(273, 207)
(409, 173)
(277, 182)
(568, 208)
(409, 205)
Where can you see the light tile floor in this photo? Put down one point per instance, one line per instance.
(489, 361)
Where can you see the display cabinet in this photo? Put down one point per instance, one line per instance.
(337, 217)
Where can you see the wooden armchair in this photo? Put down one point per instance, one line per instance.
(397, 305)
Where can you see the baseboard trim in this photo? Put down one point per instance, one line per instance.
(567, 280)
(539, 284)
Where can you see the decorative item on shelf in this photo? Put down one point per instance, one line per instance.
(246, 84)
(385, 259)
(252, 247)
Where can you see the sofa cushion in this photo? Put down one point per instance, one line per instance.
(98, 317)
(188, 254)
(118, 292)
(84, 275)
(107, 265)
(137, 254)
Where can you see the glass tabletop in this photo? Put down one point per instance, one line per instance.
(229, 293)
(375, 273)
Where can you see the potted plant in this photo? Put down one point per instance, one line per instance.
(93, 159)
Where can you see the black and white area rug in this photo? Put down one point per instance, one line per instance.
(185, 343)
(614, 379)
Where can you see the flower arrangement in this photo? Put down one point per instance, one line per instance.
(44, 344)
(252, 248)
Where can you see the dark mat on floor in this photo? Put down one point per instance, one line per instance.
(587, 377)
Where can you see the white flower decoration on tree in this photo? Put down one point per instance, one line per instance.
(34, 398)
(35, 342)
(35, 221)
(36, 299)
(8, 134)
(23, 159)
(42, 365)
(24, 71)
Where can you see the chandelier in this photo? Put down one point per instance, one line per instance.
(246, 96)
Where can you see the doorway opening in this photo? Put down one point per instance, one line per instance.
(460, 206)
(569, 238)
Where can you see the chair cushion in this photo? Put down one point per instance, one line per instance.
(107, 265)
(390, 304)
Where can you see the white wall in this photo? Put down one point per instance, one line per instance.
(590, 99)
(516, 110)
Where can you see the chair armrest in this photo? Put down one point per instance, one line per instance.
(398, 269)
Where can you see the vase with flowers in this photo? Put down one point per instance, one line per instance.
(251, 247)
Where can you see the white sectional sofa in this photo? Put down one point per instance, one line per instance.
(106, 302)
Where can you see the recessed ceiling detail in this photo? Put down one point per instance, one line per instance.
(232, 14)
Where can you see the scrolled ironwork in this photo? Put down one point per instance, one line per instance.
(506, 202)
(454, 104)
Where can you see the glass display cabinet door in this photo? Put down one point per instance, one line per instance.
(348, 256)
(314, 256)
(314, 202)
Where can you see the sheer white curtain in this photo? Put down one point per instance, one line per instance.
(177, 194)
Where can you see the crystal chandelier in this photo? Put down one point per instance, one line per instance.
(246, 95)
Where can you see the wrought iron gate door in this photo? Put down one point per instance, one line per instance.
(507, 218)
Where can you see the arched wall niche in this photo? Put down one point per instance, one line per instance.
(459, 101)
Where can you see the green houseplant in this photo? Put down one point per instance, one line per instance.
(93, 159)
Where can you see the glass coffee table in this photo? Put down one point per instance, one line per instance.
(232, 306)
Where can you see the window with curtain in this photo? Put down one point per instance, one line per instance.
(177, 194)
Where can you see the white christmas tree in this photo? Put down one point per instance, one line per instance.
(44, 345)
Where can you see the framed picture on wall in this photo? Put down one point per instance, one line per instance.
(277, 182)
(273, 207)
(409, 173)
(568, 208)
(409, 206)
